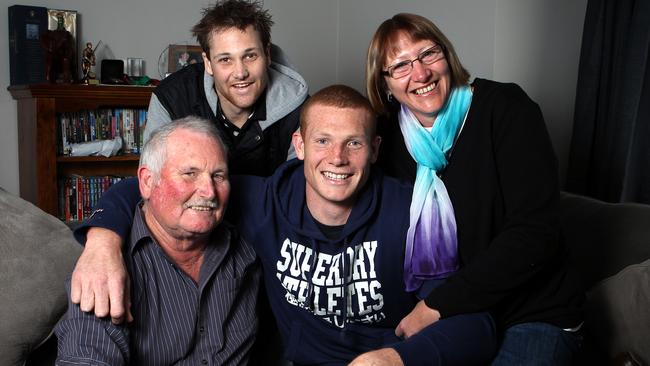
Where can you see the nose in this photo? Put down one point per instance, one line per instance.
(420, 71)
(241, 70)
(339, 154)
(205, 187)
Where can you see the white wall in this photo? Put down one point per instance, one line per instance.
(469, 24)
(535, 43)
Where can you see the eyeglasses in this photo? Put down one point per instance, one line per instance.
(427, 57)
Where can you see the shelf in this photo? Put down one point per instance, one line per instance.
(96, 159)
(121, 165)
(69, 98)
(119, 93)
(38, 108)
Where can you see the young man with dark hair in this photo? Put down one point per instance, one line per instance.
(245, 85)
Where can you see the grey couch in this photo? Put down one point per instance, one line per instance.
(609, 245)
(37, 252)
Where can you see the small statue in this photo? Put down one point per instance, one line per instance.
(87, 62)
(59, 52)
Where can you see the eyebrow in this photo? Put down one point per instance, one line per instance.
(318, 135)
(394, 54)
(244, 51)
(196, 168)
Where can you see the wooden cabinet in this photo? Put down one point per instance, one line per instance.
(38, 106)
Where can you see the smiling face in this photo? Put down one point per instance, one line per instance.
(189, 197)
(237, 63)
(426, 89)
(338, 147)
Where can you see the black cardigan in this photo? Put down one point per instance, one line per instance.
(503, 183)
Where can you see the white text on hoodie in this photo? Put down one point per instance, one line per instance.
(327, 283)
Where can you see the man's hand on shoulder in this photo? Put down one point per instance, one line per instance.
(99, 280)
(419, 318)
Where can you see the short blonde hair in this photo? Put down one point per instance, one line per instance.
(340, 96)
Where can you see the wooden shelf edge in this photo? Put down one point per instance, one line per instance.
(96, 159)
(78, 90)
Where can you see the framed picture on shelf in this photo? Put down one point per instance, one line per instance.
(181, 55)
(67, 19)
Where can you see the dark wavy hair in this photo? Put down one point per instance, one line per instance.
(233, 14)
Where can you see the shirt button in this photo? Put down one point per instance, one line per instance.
(258, 137)
(201, 329)
(204, 361)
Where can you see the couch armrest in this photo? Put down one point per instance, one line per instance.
(603, 238)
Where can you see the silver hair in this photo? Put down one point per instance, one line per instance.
(154, 151)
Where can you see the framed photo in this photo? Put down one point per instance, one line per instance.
(181, 55)
(70, 24)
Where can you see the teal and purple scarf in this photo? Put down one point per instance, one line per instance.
(431, 242)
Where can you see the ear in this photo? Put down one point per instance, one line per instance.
(145, 182)
(298, 144)
(375, 149)
(206, 62)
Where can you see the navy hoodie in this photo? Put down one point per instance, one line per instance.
(329, 297)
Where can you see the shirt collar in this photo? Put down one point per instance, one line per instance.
(214, 254)
(259, 109)
(139, 229)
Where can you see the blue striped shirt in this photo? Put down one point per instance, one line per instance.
(177, 321)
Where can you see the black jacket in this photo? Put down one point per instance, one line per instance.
(258, 150)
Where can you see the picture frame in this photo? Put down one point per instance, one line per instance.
(70, 18)
(180, 55)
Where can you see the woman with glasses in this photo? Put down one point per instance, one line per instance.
(483, 233)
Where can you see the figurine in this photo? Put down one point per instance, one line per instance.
(87, 62)
(59, 52)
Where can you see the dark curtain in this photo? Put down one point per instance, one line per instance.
(610, 147)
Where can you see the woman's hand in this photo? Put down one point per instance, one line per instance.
(419, 318)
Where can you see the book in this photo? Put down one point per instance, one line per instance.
(102, 124)
(78, 195)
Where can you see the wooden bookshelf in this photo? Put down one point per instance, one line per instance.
(39, 165)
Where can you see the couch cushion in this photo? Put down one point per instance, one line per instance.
(603, 238)
(37, 253)
(617, 313)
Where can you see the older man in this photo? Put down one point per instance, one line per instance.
(194, 283)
